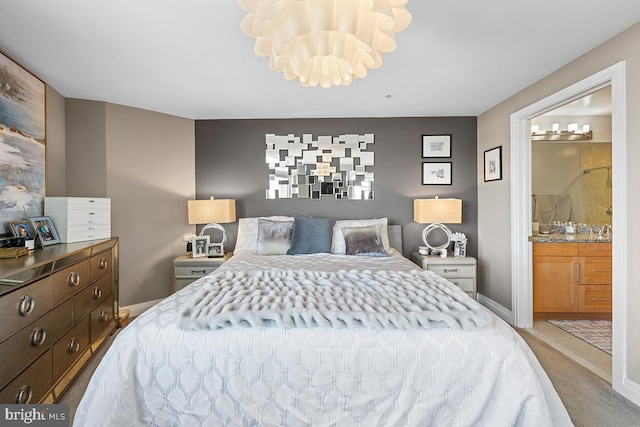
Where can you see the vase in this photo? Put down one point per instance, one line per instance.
(459, 249)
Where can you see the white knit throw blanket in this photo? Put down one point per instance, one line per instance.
(344, 299)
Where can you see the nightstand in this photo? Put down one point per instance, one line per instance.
(461, 271)
(187, 269)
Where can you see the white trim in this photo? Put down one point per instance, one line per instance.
(138, 309)
(522, 289)
(497, 309)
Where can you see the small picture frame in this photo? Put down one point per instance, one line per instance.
(493, 164)
(21, 229)
(215, 250)
(45, 230)
(436, 146)
(200, 245)
(436, 173)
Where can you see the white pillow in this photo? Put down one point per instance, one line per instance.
(248, 232)
(338, 245)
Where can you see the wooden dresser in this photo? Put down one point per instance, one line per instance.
(57, 307)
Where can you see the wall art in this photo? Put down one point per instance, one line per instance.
(338, 167)
(436, 173)
(22, 143)
(493, 164)
(436, 146)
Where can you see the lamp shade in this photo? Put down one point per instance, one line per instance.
(444, 211)
(211, 211)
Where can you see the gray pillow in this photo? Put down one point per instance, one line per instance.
(363, 241)
(311, 235)
(274, 237)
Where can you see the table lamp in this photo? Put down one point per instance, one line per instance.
(436, 212)
(212, 212)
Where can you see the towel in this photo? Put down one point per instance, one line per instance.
(548, 208)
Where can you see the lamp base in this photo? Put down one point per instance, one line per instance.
(437, 226)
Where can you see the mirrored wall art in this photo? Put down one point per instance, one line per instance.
(339, 168)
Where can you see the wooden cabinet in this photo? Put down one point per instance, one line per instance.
(572, 277)
(57, 307)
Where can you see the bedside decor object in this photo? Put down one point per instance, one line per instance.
(436, 173)
(211, 212)
(324, 43)
(45, 230)
(437, 212)
(187, 239)
(459, 244)
(493, 164)
(436, 146)
(200, 245)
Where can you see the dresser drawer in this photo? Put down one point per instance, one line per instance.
(70, 347)
(194, 271)
(595, 298)
(84, 233)
(25, 305)
(101, 263)
(595, 249)
(453, 271)
(25, 346)
(77, 203)
(90, 297)
(467, 285)
(32, 384)
(70, 280)
(102, 317)
(595, 270)
(88, 216)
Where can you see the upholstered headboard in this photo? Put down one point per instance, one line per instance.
(395, 237)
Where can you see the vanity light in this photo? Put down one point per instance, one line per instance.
(555, 134)
(555, 127)
(573, 127)
(437, 212)
(211, 212)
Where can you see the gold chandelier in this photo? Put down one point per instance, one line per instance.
(324, 42)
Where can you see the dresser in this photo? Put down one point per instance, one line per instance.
(187, 269)
(79, 219)
(461, 271)
(57, 307)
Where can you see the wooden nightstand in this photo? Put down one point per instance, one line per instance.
(187, 269)
(461, 271)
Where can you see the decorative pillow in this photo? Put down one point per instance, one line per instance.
(247, 238)
(274, 237)
(338, 244)
(311, 235)
(363, 241)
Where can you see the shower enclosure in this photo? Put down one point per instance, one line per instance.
(596, 195)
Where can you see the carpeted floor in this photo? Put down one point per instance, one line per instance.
(594, 332)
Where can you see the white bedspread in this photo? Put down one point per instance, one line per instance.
(157, 374)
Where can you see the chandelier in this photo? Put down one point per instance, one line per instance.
(324, 42)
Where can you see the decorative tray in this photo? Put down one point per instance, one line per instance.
(13, 252)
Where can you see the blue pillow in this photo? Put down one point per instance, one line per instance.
(311, 235)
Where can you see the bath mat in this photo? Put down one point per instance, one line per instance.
(594, 332)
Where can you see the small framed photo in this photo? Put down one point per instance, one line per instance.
(436, 146)
(493, 164)
(199, 246)
(436, 173)
(45, 230)
(215, 250)
(21, 229)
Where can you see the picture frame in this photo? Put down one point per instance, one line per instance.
(436, 173)
(436, 146)
(493, 164)
(200, 245)
(21, 229)
(215, 250)
(45, 230)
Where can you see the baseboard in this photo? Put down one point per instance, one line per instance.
(497, 309)
(138, 309)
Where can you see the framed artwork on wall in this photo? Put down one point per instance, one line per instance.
(436, 146)
(22, 131)
(493, 164)
(436, 173)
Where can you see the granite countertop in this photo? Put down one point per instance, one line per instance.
(585, 238)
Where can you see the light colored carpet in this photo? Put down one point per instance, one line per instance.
(594, 332)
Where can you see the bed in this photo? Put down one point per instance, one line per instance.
(174, 365)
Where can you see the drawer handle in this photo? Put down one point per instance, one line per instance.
(38, 337)
(600, 250)
(600, 271)
(97, 293)
(103, 315)
(27, 304)
(74, 345)
(198, 271)
(74, 278)
(600, 299)
(24, 395)
(103, 264)
(451, 270)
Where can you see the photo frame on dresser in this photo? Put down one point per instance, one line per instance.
(214, 250)
(45, 230)
(200, 245)
(21, 229)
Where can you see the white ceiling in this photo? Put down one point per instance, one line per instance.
(189, 57)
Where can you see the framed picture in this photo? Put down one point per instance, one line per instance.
(45, 230)
(199, 246)
(493, 164)
(436, 173)
(20, 229)
(436, 146)
(215, 250)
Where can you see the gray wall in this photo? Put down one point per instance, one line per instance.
(230, 163)
(56, 152)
